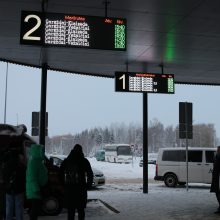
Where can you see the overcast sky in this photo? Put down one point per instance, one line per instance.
(77, 102)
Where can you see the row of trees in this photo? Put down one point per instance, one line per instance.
(204, 135)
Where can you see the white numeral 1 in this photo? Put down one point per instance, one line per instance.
(123, 82)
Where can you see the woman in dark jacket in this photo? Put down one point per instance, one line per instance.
(215, 177)
(77, 176)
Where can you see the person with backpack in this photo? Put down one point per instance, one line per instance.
(36, 179)
(14, 170)
(77, 176)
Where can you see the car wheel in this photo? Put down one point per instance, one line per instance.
(51, 205)
(170, 180)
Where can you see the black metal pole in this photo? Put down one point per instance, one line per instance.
(161, 65)
(145, 143)
(43, 104)
(187, 158)
(106, 7)
(6, 94)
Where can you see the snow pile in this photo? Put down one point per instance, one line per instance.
(122, 171)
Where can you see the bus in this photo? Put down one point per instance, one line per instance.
(118, 153)
(100, 155)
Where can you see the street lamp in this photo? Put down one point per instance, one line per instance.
(153, 135)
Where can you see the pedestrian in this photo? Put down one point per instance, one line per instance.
(14, 170)
(2, 202)
(2, 190)
(215, 187)
(77, 176)
(36, 179)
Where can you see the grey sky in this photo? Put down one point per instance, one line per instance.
(77, 102)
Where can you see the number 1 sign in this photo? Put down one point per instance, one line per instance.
(144, 82)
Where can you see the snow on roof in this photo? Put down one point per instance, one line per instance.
(6, 129)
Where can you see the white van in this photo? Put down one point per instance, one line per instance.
(171, 165)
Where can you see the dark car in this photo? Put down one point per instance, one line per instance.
(14, 138)
(98, 176)
(152, 158)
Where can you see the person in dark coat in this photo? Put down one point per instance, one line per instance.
(77, 176)
(215, 178)
(14, 170)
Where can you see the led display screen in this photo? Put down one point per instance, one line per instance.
(144, 82)
(56, 29)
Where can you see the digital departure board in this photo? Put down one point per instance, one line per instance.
(55, 29)
(144, 82)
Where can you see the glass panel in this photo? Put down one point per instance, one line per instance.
(195, 156)
(209, 155)
(124, 150)
(174, 155)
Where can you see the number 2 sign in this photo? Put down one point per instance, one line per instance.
(32, 27)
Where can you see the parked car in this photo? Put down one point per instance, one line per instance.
(100, 155)
(98, 176)
(152, 158)
(171, 165)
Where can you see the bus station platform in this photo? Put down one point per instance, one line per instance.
(127, 201)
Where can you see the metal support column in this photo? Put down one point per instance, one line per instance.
(42, 131)
(6, 94)
(145, 143)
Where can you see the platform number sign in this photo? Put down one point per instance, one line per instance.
(144, 82)
(81, 31)
(32, 27)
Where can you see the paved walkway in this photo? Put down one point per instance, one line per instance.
(127, 202)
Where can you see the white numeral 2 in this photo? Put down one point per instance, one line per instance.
(28, 36)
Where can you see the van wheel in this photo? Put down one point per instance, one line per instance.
(170, 180)
(51, 205)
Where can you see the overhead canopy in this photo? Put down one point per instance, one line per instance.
(183, 35)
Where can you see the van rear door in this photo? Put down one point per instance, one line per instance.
(195, 166)
(208, 166)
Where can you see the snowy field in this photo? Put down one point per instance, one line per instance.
(116, 171)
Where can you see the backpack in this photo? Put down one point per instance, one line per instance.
(72, 175)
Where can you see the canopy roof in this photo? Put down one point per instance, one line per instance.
(183, 35)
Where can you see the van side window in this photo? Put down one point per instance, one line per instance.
(195, 156)
(209, 155)
(174, 155)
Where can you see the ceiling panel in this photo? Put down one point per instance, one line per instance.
(183, 35)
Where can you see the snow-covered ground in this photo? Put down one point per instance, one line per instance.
(161, 202)
(125, 200)
(116, 171)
